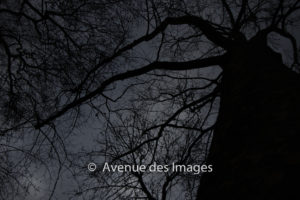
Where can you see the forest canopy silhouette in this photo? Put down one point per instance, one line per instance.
(154, 81)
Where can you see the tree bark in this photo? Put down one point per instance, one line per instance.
(255, 151)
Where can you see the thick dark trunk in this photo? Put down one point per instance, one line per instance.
(256, 148)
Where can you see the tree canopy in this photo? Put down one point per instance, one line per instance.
(124, 82)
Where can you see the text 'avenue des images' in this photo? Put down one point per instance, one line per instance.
(196, 169)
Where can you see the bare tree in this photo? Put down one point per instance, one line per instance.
(156, 78)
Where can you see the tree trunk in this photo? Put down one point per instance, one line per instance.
(255, 151)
